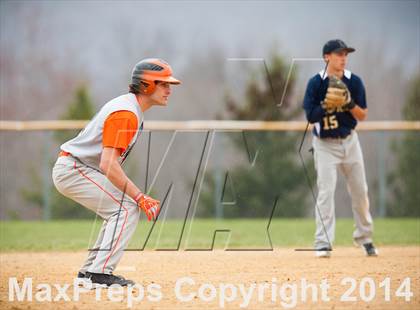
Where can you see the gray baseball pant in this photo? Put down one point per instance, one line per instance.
(345, 155)
(93, 190)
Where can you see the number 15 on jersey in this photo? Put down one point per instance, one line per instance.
(330, 122)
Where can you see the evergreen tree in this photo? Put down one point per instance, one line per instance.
(405, 179)
(278, 169)
(82, 108)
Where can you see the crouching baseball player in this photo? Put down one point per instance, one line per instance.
(334, 101)
(88, 169)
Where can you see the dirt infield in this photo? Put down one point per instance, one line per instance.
(280, 269)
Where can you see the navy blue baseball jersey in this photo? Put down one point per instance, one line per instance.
(336, 123)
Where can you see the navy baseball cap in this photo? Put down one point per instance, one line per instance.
(335, 46)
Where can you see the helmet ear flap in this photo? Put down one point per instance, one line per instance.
(147, 87)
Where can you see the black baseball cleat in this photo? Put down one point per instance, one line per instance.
(370, 249)
(83, 278)
(106, 280)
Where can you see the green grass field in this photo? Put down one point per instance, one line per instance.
(75, 235)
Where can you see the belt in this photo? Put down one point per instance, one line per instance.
(339, 138)
(63, 153)
(334, 138)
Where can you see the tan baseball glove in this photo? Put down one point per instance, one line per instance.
(338, 95)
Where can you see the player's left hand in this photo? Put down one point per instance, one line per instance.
(338, 95)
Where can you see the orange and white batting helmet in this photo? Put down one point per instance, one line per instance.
(147, 72)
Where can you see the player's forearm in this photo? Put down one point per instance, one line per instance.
(117, 176)
(314, 114)
(359, 113)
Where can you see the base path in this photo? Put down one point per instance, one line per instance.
(222, 280)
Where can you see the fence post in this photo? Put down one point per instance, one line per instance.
(381, 174)
(46, 177)
(218, 180)
(218, 177)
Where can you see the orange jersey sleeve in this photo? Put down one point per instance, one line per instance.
(119, 128)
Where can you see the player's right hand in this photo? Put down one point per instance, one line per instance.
(149, 205)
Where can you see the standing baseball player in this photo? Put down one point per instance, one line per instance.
(334, 102)
(88, 169)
